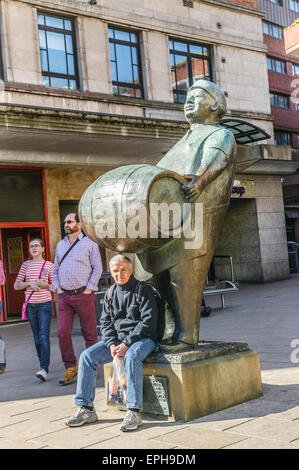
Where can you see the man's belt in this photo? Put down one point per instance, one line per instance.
(74, 291)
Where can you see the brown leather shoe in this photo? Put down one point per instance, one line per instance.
(2, 371)
(70, 374)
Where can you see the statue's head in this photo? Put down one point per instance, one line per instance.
(205, 103)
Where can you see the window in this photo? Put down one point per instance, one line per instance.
(282, 138)
(295, 69)
(272, 30)
(57, 51)
(281, 101)
(125, 63)
(278, 2)
(294, 5)
(189, 62)
(276, 65)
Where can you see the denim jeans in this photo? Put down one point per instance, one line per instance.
(39, 316)
(97, 355)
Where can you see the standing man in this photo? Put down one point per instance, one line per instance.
(130, 331)
(76, 273)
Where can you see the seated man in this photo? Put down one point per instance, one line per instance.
(131, 335)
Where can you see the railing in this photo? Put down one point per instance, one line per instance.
(222, 287)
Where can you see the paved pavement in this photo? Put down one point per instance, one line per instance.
(266, 316)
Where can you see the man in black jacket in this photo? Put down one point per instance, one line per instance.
(129, 330)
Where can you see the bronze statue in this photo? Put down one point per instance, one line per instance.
(199, 170)
(206, 157)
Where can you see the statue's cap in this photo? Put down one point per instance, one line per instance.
(213, 90)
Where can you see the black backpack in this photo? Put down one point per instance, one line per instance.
(160, 304)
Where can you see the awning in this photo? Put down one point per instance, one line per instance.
(244, 132)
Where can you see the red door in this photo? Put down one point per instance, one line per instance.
(15, 242)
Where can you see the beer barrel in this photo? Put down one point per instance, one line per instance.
(134, 207)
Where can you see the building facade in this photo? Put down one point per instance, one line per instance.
(89, 87)
(283, 69)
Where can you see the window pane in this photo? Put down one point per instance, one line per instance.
(181, 99)
(56, 51)
(170, 44)
(70, 63)
(122, 35)
(195, 49)
(124, 65)
(54, 22)
(115, 90)
(181, 72)
(126, 91)
(136, 75)
(69, 43)
(68, 25)
(45, 81)
(134, 55)
(42, 39)
(72, 85)
(41, 19)
(180, 46)
(59, 82)
(110, 33)
(112, 51)
(113, 72)
(44, 61)
(133, 37)
(138, 93)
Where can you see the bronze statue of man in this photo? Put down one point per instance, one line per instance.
(206, 156)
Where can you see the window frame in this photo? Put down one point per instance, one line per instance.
(270, 29)
(273, 60)
(176, 91)
(295, 69)
(278, 132)
(296, 4)
(278, 98)
(116, 83)
(69, 77)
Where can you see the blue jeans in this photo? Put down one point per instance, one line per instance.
(40, 316)
(97, 355)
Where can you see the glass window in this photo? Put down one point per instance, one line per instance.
(294, 5)
(57, 52)
(282, 138)
(125, 63)
(188, 63)
(281, 101)
(276, 65)
(272, 30)
(295, 69)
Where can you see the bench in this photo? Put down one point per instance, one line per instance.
(221, 287)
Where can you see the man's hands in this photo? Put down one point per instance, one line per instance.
(119, 351)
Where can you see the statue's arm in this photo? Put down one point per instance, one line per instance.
(216, 157)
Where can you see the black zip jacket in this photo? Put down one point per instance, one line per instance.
(131, 320)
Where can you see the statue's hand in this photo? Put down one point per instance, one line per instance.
(193, 188)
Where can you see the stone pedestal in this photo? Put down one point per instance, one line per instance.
(185, 385)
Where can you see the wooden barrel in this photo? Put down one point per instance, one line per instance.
(122, 209)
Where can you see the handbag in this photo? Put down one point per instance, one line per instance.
(24, 306)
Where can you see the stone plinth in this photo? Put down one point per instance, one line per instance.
(200, 381)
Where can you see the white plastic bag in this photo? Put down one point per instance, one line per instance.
(117, 384)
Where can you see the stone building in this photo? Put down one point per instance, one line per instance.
(88, 86)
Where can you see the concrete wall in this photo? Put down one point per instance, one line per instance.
(254, 234)
(64, 184)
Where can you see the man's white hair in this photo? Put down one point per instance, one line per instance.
(120, 258)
